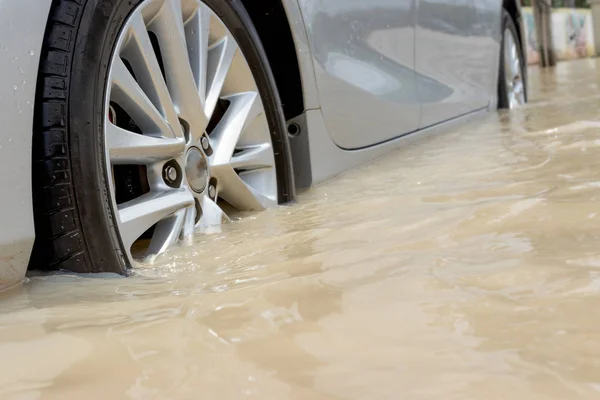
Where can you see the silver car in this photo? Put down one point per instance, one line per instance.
(131, 124)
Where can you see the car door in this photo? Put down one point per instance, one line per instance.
(487, 57)
(363, 53)
(450, 60)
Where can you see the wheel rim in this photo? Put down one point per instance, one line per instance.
(185, 128)
(512, 71)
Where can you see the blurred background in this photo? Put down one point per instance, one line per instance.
(574, 30)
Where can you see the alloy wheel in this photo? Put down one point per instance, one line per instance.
(513, 73)
(185, 128)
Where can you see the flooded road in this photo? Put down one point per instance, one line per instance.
(465, 266)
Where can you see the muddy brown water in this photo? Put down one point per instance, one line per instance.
(466, 266)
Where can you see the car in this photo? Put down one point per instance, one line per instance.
(129, 125)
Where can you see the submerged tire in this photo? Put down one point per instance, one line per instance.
(76, 224)
(505, 86)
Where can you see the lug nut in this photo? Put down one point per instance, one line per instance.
(212, 191)
(204, 142)
(170, 174)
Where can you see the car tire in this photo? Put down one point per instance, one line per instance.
(74, 216)
(503, 92)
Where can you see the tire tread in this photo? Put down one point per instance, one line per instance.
(58, 225)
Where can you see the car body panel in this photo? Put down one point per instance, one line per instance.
(312, 164)
(363, 53)
(489, 13)
(22, 26)
(454, 49)
(319, 158)
(487, 30)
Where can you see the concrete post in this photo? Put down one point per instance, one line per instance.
(542, 15)
(595, 6)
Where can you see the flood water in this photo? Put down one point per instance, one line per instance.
(465, 266)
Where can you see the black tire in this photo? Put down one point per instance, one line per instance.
(74, 222)
(508, 23)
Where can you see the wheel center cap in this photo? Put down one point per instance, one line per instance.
(196, 169)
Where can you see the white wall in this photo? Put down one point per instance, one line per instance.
(572, 33)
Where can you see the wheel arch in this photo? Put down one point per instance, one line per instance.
(280, 22)
(271, 23)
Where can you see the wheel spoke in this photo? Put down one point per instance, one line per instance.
(238, 193)
(513, 49)
(127, 147)
(189, 223)
(507, 57)
(212, 214)
(516, 67)
(220, 57)
(518, 87)
(140, 54)
(517, 93)
(166, 233)
(173, 64)
(514, 102)
(196, 35)
(129, 95)
(243, 109)
(507, 39)
(255, 157)
(168, 27)
(140, 214)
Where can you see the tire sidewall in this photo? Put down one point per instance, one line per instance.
(101, 24)
(99, 29)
